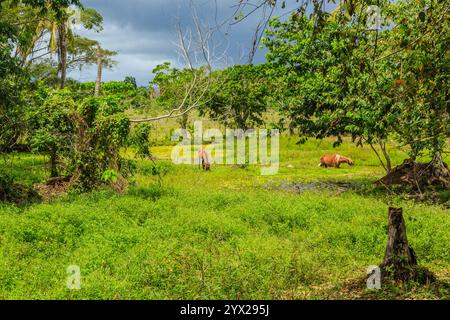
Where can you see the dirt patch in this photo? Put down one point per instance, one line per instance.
(300, 187)
(356, 289)
(53, 188)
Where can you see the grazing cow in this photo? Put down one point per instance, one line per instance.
(204, 159)
(334, 161)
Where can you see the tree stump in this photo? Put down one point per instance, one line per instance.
(400, 261)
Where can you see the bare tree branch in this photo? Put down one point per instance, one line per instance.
(198, 49)
(175, 113)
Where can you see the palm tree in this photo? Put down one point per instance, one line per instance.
(59, 23)
(103, 59)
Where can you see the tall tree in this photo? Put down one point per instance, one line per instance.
(183, 88)
(341, 77)
(103, 59)
(53, 23)
(238, 100)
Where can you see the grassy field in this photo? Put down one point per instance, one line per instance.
(306, 233)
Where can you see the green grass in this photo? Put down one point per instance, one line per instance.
(226, 234)
(25, 168)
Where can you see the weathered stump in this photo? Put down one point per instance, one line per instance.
(399, 255)
(400, 261)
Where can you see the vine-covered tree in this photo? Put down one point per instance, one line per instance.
(52, 130)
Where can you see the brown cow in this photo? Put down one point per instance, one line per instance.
(334, 161)
(204, 159)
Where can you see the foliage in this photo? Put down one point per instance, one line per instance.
(299, 235)
(131, 80)
(45, 28)
(237, 98)
(421, 98)
(339, 78)
(12, 80)
(110, 176)
(324, 78)
(141, 99)
(124, 93)
(52, 129)
(13, 192)
(86, 132)
(83, 52)
(140, 138)
(268, 244)
(102, 129)
(58, 6)
(180, 89)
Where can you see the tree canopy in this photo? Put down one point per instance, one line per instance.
(340, 77)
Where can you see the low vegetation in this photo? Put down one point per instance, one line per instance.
(215, 236)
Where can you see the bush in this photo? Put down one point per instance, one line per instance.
(102, 129)
(153, 192)
(140, 138)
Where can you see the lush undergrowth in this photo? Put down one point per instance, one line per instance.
(307, 233)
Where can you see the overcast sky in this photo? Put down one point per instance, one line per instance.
(144, 33)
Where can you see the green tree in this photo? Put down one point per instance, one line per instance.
(51, 22)
(52, 126)
(237, 98)
(13, 80)
(131, 80)
(342, 78)
(180, 89)
(419, 56)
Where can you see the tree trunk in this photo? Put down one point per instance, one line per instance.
(53, 163)
(291, 129)
(440, 171)
(398, 250)
(98, 82)
(184, 121)
(388, 165)
(62, 37)
(400, 261)
(386, 156)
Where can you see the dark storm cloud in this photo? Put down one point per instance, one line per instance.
(144, 33)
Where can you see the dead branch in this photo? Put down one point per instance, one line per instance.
(196, 47)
